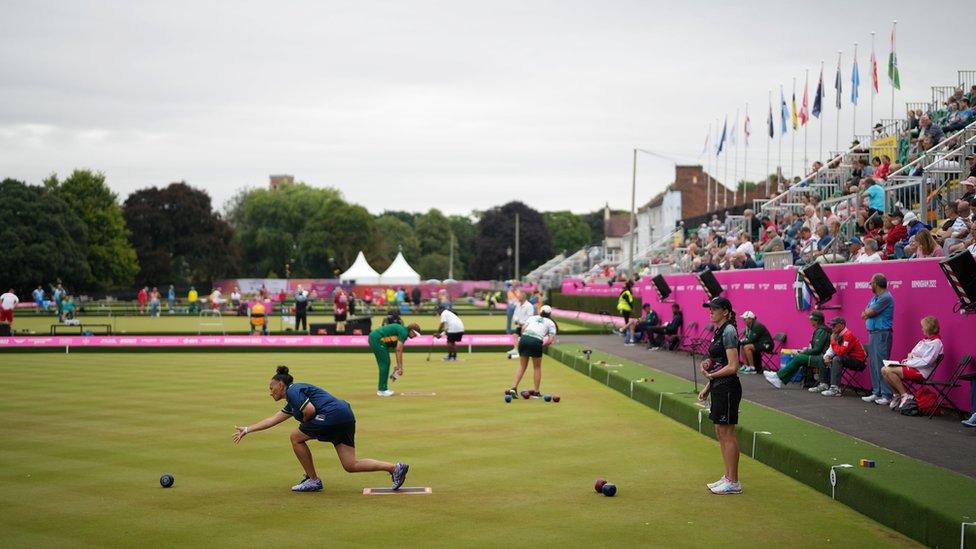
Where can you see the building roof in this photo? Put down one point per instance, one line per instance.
(617, 225)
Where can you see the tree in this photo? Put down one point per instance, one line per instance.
(496, 233)
(595, 222)
(406, 217)
(110, 255)
(432, 266)
(433, 230)
(178, 237)
(43, 239)
(396, 235)
(569, 231)
(464, 232)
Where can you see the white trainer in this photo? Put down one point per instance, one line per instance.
(834, 391)
(726, 488)
(773, 379)
(386, 393)
(819, 388)
(870, 398)
(883, 401)
(717, 482)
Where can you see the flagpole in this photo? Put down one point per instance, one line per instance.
(854, 124)
(725, 189)
(806, 127)
(874, 62)
(708, 180)
(894, 24)
(793, 140)
(779, 154)
(745, 153)
(735, 152)
(769, 141)
(820, 155)
(837, 142)
(715, 192)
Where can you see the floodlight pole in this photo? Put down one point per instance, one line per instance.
(633, 213)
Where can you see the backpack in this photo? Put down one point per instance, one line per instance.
(926, 399)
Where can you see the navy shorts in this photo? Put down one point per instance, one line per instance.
(342, 433)
(725, 399)
(454, 337)
(530, 346)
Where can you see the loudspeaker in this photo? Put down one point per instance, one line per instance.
(820, 285)
(5, 330)
(661, 285)
(710, 283)
(960, 270)
(322, 328)
(354, 326)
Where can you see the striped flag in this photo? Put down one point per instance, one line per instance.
(874, 69)
(818, 98)
(804, 112)
(893, 74)
(721, 141)
(855, 82)
(784, 112)
(838, 85)
(794, 118)
(747, 129)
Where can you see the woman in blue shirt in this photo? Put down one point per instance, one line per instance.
(322, 417)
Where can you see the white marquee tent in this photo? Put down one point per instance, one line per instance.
(400, 272)
(360, 272)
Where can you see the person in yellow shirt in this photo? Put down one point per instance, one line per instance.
(258, 319)
(193, 297)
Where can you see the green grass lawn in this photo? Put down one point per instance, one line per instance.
(177, 323)
(85, 438)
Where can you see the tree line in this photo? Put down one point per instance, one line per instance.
(75, 230)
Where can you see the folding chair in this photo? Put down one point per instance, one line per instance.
(849, 378)
(912, 385)
(770, 360)
(943, 387)
(686, 334)
(699, 343)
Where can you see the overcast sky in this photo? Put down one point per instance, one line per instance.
(454, 105)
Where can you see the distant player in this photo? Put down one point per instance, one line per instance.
(323, 417)
(523, 311)
(538, 332)
(381, 340)
(452, 326)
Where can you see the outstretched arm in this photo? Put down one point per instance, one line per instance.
(265, 423)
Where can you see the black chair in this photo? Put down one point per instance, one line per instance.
(770, 360)
(700, 342)
(912, 385)
(686, 334)
(849, 378)
(943, 387)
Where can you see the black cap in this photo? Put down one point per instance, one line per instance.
(816, 315)
(718, 303)
(837, 320)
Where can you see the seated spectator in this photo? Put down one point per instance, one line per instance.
(807, 358)
(774, 242)
(876, 197)
(895, 233)
(745, 246)
(960, 118)
(740, 261)
(884, 169)
(923, 246)
(810, 219)
(969, 186)
(916, 366)
(870, 252)
(927, 129)
(754, 342)
(640, 325)
(972, 166)
(845, 352)
(960, 228)
(656, 333)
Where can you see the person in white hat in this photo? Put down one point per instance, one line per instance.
(755, 341)
(969, 190)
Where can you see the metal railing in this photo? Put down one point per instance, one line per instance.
(940, 94)
(967, 79)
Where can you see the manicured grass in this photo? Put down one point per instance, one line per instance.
(178, 323)
(85, 438)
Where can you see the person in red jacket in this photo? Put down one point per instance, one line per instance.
(845, 351)
(895, 234)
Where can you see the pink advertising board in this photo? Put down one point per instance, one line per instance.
(475, 340)
(918, 287)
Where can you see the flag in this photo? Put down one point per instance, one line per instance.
(855, 82)
(818, 99)
(893, 75)
(708, 137)
(784, 112)
(804, 300)
(733, 140)
(747, 129)
(721, 141)
(804, 112)
(838, 85)
(794, 118)
(874, 70)
(769, 123)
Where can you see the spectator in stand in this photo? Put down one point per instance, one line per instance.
(879, 318)
(895, 234)
(923, 246)
(810, 219)
(972, 166)
(969, 188)
(845, 352)
(754, 342)
(912, 122)
(961, 118)
(194, 299)
(928, 129)
(8, 302)
(656, 334)
(971, 96)
(869, 254)
(740, 261)
(745, 246)
(876, 198)
(916, 366)
(807, 358)
(640, 325)
(715, 224)
(171, 299)
(774, 242)
(142, 298)
(883, 168)
(960, 228)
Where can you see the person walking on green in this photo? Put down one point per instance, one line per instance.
(808, 358)
(755, 341)
(625, 306)
(381, 341)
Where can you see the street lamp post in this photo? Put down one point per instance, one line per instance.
(508, 252)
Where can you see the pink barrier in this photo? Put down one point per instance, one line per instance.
(325, 287)
(918, 287)
(475, 340)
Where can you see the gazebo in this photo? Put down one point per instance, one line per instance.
(360, 272)
(400, 272)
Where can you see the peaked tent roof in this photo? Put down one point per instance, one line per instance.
(400, 272)
(361, 272)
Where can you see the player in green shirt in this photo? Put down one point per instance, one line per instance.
(381, 340)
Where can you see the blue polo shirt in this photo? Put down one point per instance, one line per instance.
(884, 305)
(876, 199)
(333, 410)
